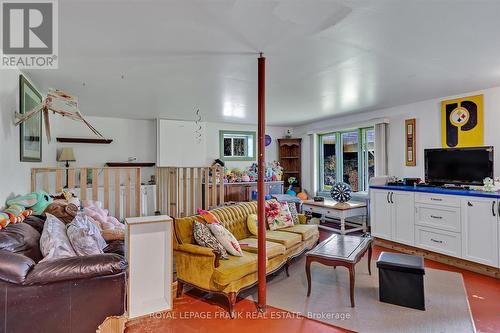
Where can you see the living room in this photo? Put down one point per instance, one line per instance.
(324, 166)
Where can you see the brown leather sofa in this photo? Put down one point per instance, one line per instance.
(68, 295)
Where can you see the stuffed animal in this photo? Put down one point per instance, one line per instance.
(94, 210)
(13, 214)
(36, 201)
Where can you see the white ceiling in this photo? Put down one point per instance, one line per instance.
(324, 58)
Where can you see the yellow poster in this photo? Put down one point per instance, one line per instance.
(462, 122)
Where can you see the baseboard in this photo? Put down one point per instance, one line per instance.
(444, 259)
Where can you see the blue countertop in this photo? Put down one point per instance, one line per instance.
(439, 190)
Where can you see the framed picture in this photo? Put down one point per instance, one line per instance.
(30, 130)
(410, 147)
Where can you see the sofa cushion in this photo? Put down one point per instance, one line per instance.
(225, 238)
(235, 268)
(272, 249)
(278, 215)
(253, 224)
(72, 268)
(293, 212)
(204, 237)
(305, 230)
(14, 267)
(234, 218)
(21, 238)
(287, 239)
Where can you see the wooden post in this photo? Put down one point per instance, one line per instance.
(261, 211)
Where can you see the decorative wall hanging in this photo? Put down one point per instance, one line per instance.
(30, 130)
(267, 140)
(462, 122)
(411, 142)
(58, 102)
(198, 127)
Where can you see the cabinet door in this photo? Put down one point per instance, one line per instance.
(480, 230)
(403, 218)
(380, 220)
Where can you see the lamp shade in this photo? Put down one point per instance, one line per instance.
(66, 154)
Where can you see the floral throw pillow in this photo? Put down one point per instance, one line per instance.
(293, 211)
(204, 237)
(226, 238)
(278, 215)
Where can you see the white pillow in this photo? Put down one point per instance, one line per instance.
(54, 243)
(226, 238)
(85, 236)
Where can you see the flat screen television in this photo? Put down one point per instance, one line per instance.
(458, 166)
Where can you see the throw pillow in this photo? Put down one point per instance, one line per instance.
(204, 237)
(293, 212)
(278, 215)
(207, 216)
(226, 238)
(85, 236)
(54, 242)
(252, 224)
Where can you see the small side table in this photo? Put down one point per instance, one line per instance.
(327, 210)
(149, 244)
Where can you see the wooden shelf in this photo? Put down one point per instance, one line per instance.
(84, 140)
(293, 171)
(129, 164)
(289, 157)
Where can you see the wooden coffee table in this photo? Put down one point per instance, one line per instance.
(340, 250)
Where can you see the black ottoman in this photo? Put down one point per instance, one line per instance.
(401, 280)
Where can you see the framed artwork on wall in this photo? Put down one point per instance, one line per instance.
(410, 147)
(30, 130)
(462, 122)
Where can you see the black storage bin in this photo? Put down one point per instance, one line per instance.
(401, 280)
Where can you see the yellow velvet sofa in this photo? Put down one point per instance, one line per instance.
(201, 268)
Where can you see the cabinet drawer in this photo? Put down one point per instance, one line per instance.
(441, 217)
(437, 199)
(438, 241)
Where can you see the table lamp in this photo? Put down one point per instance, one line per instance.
(66, 155)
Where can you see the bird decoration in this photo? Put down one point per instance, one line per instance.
(341, 192)
(59, 103)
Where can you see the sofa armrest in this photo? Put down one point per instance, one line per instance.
(73, 268)
(14, 267)
(197, 253)
(302, 218)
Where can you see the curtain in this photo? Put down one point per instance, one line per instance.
(381, 149)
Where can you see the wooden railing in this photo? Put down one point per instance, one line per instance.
(119, 189)
(182, 190)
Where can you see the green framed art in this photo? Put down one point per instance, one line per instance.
(30, 131)
(237, 145)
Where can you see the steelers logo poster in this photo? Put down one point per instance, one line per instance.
(462, 122)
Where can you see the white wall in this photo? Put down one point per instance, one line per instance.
(14, 175)
(178, 138)
(131, 138)
(428, 115)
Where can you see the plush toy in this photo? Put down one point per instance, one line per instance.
(13, 214)
(36, 201)
(94, 210)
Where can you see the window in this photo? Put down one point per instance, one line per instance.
(237, 146)
(348, 156)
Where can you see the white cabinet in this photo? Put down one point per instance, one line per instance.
(480, 230)
(393, 216)
(380, 208)
(403, 220)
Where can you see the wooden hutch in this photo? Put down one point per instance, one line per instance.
(289, 158)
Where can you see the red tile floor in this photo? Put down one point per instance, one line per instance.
(198, 312)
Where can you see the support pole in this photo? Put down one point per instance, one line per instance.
(261, 210)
